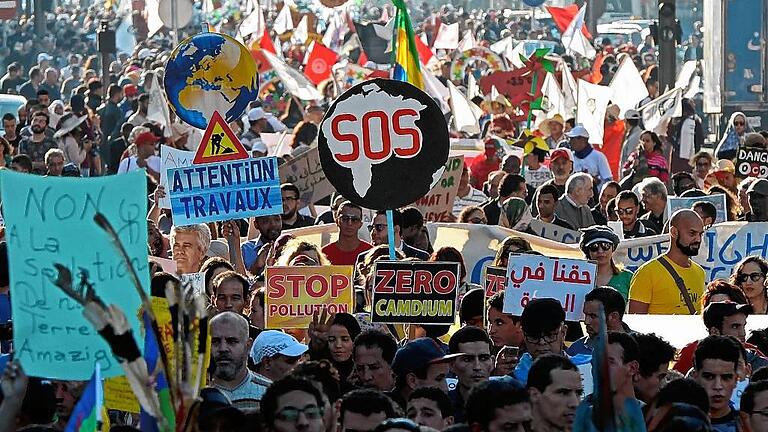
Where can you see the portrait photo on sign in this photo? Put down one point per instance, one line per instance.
(383, 144)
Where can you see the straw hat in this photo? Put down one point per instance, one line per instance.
(544, 127)
(68, 123)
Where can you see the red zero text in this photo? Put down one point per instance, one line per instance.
(414, 282)
(386, 138)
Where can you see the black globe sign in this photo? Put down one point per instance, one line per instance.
(383, 144)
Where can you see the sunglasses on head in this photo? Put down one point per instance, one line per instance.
(605, 246)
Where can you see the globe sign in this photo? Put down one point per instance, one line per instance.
(383, 144)
(210, 72)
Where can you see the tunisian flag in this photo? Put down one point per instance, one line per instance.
(264, 43)
(563, 16)
(319, 63)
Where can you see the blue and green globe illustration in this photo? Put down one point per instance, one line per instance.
(210, 72)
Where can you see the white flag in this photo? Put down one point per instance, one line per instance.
(590, 111)
(253, 23)
(658, 112)
(627, 86)
(350, 45)
(504, 47)
(284, 20)
(570, 91)
(472, 88)
(295, 82)
(154, 23)
(552, 100)
(574, 40)
(301, 33)
(335, 32)
(686, 73)
(447, 37)
(465, 119)
(157, 110)
(467, 42)
(436, 89)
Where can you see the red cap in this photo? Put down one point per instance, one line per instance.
(130, 90)
(146, 138)
(561, 153)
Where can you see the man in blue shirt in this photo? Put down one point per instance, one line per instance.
(613, 305)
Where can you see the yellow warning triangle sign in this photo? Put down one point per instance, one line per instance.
(219, 143)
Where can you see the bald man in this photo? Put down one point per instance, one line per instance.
(672, 284)
(229, 359)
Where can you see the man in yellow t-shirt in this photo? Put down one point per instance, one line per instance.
(653, 289)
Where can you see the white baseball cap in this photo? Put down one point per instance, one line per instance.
(272, 342)
(577, 131)
(44, 57)
(256, 114)
(259, 146)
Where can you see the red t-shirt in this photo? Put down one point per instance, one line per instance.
(339, 257)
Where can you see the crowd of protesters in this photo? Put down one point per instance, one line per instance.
(492, 371)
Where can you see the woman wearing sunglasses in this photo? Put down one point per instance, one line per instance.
(473, 215)
(733, 137)
(750, 276)
(598, 243)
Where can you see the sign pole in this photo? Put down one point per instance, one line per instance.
(391, 235)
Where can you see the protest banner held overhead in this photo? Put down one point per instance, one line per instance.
(383, 144)
(437, 205)
(752, 162)
(47, 225)
(533, 276)
(224, 183)
(718, 200)
(294, 294)
(306, 172)
(414, 292)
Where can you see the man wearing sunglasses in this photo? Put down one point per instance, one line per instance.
(345, 250)
(628, 209)
(292, 405)
(380, 236)
(544, 330)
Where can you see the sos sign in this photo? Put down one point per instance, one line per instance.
(383, 144)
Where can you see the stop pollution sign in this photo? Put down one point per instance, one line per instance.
(383, 144)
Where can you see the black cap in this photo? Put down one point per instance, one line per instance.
(542, 316)
(715, 312)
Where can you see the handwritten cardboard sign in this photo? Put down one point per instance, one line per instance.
(532, 276)
(171, 158)
(224, 191)
(554, 232)
(295, 293)
(437, 204)
(49, 220)
(307, 174)
(415, 292)
(676, 203)
(752, 162)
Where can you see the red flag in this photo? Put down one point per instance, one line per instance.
(362, 59)
(425, 53)
(265, 43)
(596, 75)
(319, 63)
(564, 16)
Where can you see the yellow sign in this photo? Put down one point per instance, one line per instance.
(219, 143)
(119, 396)
(294, 294)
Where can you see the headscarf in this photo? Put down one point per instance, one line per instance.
(518, 215)
(54, 117)
(731, 139)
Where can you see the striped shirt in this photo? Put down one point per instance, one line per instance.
(248, 394)
(473, 198)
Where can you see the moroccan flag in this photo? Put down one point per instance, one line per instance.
(562, 16)
(405, 57)
(87, 413)
(154, 367)
(319, 63)
(425, 52)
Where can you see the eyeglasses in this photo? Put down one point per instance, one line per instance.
(349, 219)
(292, 414)
(477, 221)
(605, 246)
(377, 227)
(543, 339)
(738, 123)
(754, 277)
(627, 211)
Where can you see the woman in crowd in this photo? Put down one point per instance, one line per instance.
(702, 164)
(511, 244)
(212, 267)
(297, 247)
(719, 291)
(648, 160)
(598, 244)
(472, 215)
(749, 275)
(333, 340)
(733, 137)
(515, 214)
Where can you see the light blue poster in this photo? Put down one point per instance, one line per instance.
(226, 190)
(49, 220)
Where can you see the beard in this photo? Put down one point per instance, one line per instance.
(689, 250)
(226, 371)
(37, 129)
(289, 214)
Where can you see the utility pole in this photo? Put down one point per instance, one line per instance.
(667, 38)
(107, 46)
(40, 25)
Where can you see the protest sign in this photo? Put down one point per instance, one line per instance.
(293, 294)
(193, 281)
(118, 395)
(676, 203)
(171, 158)
(226, 190)
(752, 162)
(383, 144)
(414, 292)
(306, 172)
(495, 280)
(532, 276)
(554, 232)
(49, 220)
(219, 143)
(437, 205)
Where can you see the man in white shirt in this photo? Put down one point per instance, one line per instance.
(586, 158)
(145, 156)
(467, 195)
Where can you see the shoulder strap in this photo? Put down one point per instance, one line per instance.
(680, 284)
